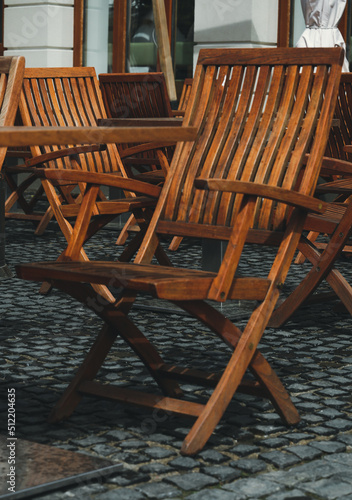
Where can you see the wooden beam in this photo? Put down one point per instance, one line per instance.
(78, 17)
(119, 37)
(283, 25)
(164, 47)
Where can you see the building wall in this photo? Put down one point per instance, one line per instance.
(235, 23)
(42, 31)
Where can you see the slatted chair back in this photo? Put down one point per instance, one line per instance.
(341, 130)
(67, 97)
(135, 95)
(11, 75)
(256, 120)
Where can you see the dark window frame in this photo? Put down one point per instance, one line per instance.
(120, 30)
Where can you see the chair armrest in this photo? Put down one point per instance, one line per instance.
(282, 195)
(44, 136)
(96, 178)
(61, 153)
(334, 166)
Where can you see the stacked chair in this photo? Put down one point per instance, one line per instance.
(243, 179)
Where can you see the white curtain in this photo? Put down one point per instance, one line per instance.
(321, 18)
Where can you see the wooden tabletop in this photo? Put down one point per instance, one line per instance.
(45, 136)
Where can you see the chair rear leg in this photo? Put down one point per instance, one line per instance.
(175, 243)
(43, 224)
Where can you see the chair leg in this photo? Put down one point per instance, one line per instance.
(227, 386)
(116, 323)
(122, 238)
(271, 385)
(43, 224)
(175, 243)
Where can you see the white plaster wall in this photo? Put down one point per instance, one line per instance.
(298, 21)
(42, 31)
(235, 23)
(97, 27)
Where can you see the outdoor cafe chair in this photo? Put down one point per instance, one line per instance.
(136, 97)
(71, 97)
(244, 180)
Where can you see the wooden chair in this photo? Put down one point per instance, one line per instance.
(59, 97)
(137, 96)
(140, 96)
(257, 111)
(334, 224)
(71, 97)
(341, 130)
(11, 75)
(340, 136)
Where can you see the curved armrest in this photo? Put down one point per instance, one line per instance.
(61, 153)
(282, 195)
(334, 166)
(132, 185)
(44, 136)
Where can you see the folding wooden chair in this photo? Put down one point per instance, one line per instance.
(11, 76)
(140, 96)
(334, 225)
(137, 96)
(257, 111)
(71, 97)
(59, 97)
(340, 136)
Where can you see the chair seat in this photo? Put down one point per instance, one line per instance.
(110, 207)
(326, 222)
(170, 283)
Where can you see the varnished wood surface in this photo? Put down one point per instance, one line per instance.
(43, 136)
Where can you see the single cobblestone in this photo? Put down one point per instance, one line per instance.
(252, 488)
(192, 481)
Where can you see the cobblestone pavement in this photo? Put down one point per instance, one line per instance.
(251, 453)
